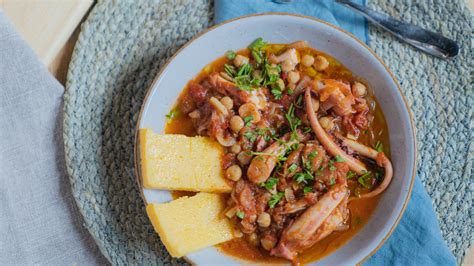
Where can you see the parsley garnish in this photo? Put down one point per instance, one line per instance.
(303, 177)
(293, 121)
(172, 114)
(275, 199)
(250, 135)
(240, 214)
(230, 55)
(379, 146)
(248, 120)
(292, 167)
(332, 181)
(271, 182)
(312, 155)
(364, 180)
(299, 177)
(258, 44)
(230, 70)
(331, 166)
(307, 190)
(339, 159)
(277, 94)
(243, 80)
(257, 55)
(350, 174)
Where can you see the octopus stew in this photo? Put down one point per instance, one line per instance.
(306, 147)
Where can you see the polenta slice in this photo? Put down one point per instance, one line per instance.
(191, 223)
(178, 162)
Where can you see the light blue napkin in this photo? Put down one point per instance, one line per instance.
(417, 239)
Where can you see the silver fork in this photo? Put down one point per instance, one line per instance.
(425, 40)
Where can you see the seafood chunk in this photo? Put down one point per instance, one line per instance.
(299, 234)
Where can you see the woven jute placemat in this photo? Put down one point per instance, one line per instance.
(120, 50)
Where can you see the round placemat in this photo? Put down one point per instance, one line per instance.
(120, 50)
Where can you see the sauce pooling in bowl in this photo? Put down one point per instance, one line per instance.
(306, 148)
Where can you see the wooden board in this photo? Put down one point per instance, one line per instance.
(46, 25)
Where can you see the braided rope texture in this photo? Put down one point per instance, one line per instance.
(119, 52)
(440, 96)
(123, 44)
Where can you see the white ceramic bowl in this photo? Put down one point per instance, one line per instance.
(285, 28)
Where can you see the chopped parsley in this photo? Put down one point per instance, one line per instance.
(275, 199)
(230, 70)
(258, 56)
(350, 174)
(378, 146)
(240, 214)
(251, 135)
(172, 114)
(293, 121)
(292, 167)
(331, 166)
(303, 177)
(339, 159)
(258, 44)
(364, 180)
(248, 120)
(332, 181)
(230, 55)
(243, 78)
(312, 155)
(277, 94)
(271, 182)
(307, 190)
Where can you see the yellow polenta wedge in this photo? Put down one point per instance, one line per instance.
(191, 223)
(178, 162)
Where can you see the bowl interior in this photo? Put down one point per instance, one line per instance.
(283, 28)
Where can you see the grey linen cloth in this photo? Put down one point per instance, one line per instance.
(39, 221)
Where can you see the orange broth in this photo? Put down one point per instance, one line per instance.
(360, 210)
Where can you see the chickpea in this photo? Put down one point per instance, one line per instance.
(244, 158)
(235, 148)
(253, 239)
(359, 89)
(250, 109)
(240, 60)
(293, 77)
(227, 102)
(264, 219)
(326, 122)
(307, 60)
(273, 70)
(280, 84)
(320, 63)
(236, 123)
(287, 66)
(233, 173)
(268, 243)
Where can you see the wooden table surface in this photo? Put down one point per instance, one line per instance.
(58, 59)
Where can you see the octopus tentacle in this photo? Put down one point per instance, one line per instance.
(300, 233)
(381, 160)
(331, 147)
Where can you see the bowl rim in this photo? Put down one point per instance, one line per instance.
(349, 34)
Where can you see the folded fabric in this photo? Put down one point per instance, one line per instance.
(417, 240)
(327, 10)
(39, 220)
